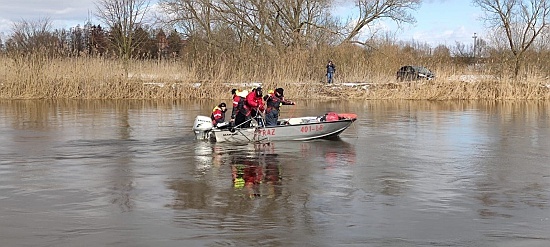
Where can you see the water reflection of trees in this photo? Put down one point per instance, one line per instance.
(511, 166)
(43, 137)
(506, 139)
(122, 177)
(527, 111)
(100, 129)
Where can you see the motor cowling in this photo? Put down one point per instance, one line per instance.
(202, 127)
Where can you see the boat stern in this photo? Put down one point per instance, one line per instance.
(202, 127)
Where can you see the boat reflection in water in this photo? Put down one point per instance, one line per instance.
(260, 173)
(256, 176)
(324, 153)
(227, 174)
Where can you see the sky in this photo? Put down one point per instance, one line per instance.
(445, 22)
(438, 21)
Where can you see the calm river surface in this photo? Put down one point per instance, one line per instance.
(407, 173)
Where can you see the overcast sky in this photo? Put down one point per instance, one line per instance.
(63, 14)
(438, 21)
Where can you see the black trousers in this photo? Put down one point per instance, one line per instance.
(241, 118)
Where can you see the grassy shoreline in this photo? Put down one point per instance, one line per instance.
(97, 78)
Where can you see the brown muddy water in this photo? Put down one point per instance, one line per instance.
(407, 173)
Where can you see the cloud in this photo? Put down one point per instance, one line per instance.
(447, 36)
(436, 1)
(436, 25)
(61, 13)
(50, 8)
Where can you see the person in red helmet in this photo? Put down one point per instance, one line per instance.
(274, 101)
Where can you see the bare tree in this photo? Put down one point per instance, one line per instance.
(298, 20)
(193, 16)
(174, 43)
(373, 10)
(197, 19)
(123, 17)
(278, 23)
(520, 21)
(33, 36)
(479, 48)
(97, 41)
(442, 51)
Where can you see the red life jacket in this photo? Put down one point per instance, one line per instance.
(254, 102)
(218, 116)
(236, 100)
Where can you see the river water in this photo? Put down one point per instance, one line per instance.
(406, 173)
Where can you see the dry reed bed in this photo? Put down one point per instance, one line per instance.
(94, 78)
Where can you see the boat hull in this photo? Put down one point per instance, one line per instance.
(233, 135)
(287, 132)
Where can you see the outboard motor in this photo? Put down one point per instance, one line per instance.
(202, 127)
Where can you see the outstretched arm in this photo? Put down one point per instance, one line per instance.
(287, 102)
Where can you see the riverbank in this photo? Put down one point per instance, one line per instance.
(420, 90)
(87, 78)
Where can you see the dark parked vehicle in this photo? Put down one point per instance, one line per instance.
(412, 73)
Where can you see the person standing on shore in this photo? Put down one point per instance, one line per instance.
(331, 69)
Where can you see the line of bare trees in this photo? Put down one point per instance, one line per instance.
(272, 27)
(277, 24)
(280, 24)
(88, 40)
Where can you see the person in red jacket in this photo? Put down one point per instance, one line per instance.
(218, 114)
(236, 100)
(240, 113)
(255, 104)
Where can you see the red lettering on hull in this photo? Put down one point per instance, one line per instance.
(266, 132)
(311, 128)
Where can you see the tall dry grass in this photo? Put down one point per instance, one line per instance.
(300, 71)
